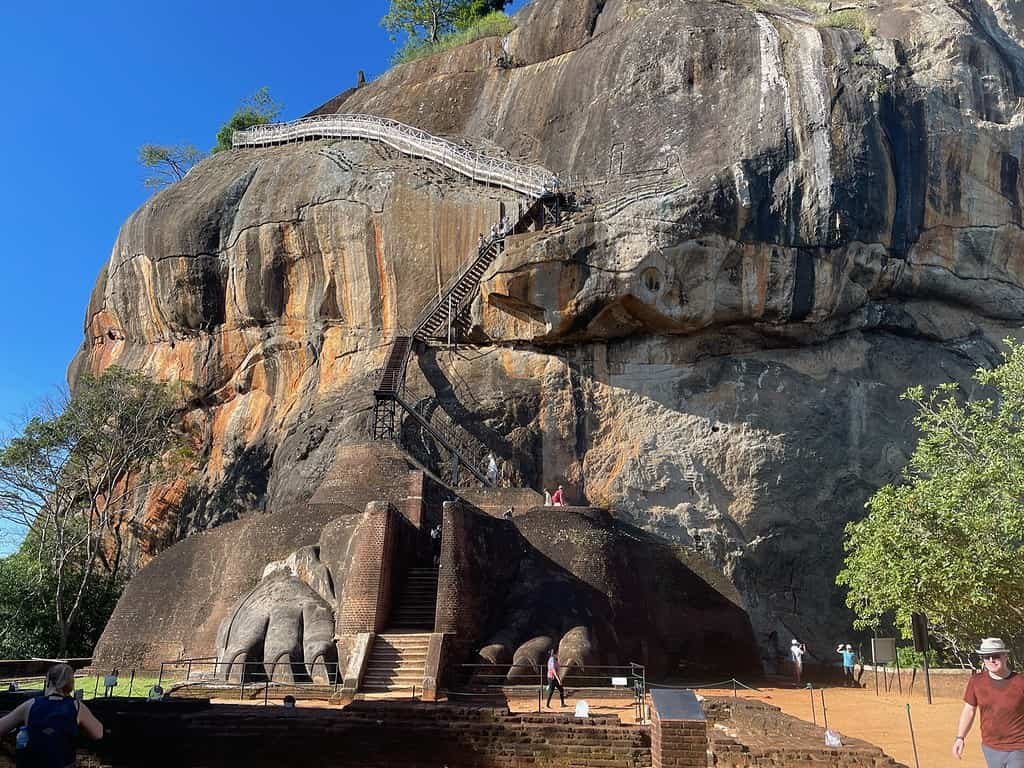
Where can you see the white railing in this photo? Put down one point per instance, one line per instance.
(528, 179)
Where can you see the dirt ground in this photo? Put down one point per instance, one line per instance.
(882, 720)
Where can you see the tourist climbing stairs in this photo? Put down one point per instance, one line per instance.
(416, 604)
(397, 663)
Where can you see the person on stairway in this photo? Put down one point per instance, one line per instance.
(435, 544)
(547, 498)
(492, 468)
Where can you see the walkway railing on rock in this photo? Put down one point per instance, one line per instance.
(528, 179)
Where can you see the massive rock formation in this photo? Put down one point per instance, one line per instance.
(789, 225)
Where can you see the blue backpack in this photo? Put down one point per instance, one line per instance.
(52, 729)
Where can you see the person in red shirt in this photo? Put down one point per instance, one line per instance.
(999, 693)
(558, 498)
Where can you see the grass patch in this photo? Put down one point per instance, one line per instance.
(495, 24)
(853, 19)
(139, 689)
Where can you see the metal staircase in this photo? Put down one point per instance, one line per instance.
(446, 316)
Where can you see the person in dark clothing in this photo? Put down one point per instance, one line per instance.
(555, 678)
(51, 722)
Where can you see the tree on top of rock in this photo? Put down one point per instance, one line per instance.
(168, 162)
(949, 540)
(429, 20)
(258, 109)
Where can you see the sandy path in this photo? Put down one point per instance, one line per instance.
(882, 720)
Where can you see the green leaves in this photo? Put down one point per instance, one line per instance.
(258, 109)
(169, 162)
(73, 479)
(427, 21)
(948, 540)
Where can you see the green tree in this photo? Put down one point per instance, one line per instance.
(427, 21)
(947, 541)
(471, 11)
(71, 477)
(168, 162)
(258, 109)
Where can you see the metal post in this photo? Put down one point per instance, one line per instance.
(875, 665)
(540, 694)
(824, 710)
(266, 694)
(734, 687)
(449, 319)
(814, 716)
(131, 684)
(913, 741)
(899, 676)
(160, 680)
(927, 677)
(188, 674)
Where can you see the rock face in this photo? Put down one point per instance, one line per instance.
(787, 226)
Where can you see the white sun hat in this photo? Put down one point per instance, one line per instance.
(991, 645)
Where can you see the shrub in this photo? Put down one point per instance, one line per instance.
(495, 24)
(855, 20)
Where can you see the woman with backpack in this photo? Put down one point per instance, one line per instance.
(51, 722)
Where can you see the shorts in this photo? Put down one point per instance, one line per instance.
(995, 758)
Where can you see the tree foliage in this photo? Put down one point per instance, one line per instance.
(947, 541)
(427, 21)
(168, 162)
(258, 109)
(69, 479)
(27, 591)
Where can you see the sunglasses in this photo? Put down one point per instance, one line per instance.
(993, 657)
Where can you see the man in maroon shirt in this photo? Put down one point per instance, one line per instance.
(999, 693)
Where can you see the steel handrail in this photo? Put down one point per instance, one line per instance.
(528, 179)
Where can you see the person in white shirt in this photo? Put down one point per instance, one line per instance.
(796, 657)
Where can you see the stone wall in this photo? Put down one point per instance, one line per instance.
(475, 565)
(368, 735)
(377, 569)
(752, 733)
(945, 683)
(174, 606)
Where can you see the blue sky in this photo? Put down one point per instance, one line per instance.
(85, 85)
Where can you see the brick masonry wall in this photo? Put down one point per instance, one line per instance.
(368, 735)
(366, 599)
(477, 559)
(752, 733)
(678, 743)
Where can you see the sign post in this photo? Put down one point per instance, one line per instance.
(919, 628)
(883, 650)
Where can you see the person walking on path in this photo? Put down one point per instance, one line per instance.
(555, 678)
(849, 660)
(51, 722)
(999, 693)
(558, 497)
(796, 658)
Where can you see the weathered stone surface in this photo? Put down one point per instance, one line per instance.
(790, 225)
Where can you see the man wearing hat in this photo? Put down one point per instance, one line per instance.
(999, 693)
(849, 659)
(796, 658)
